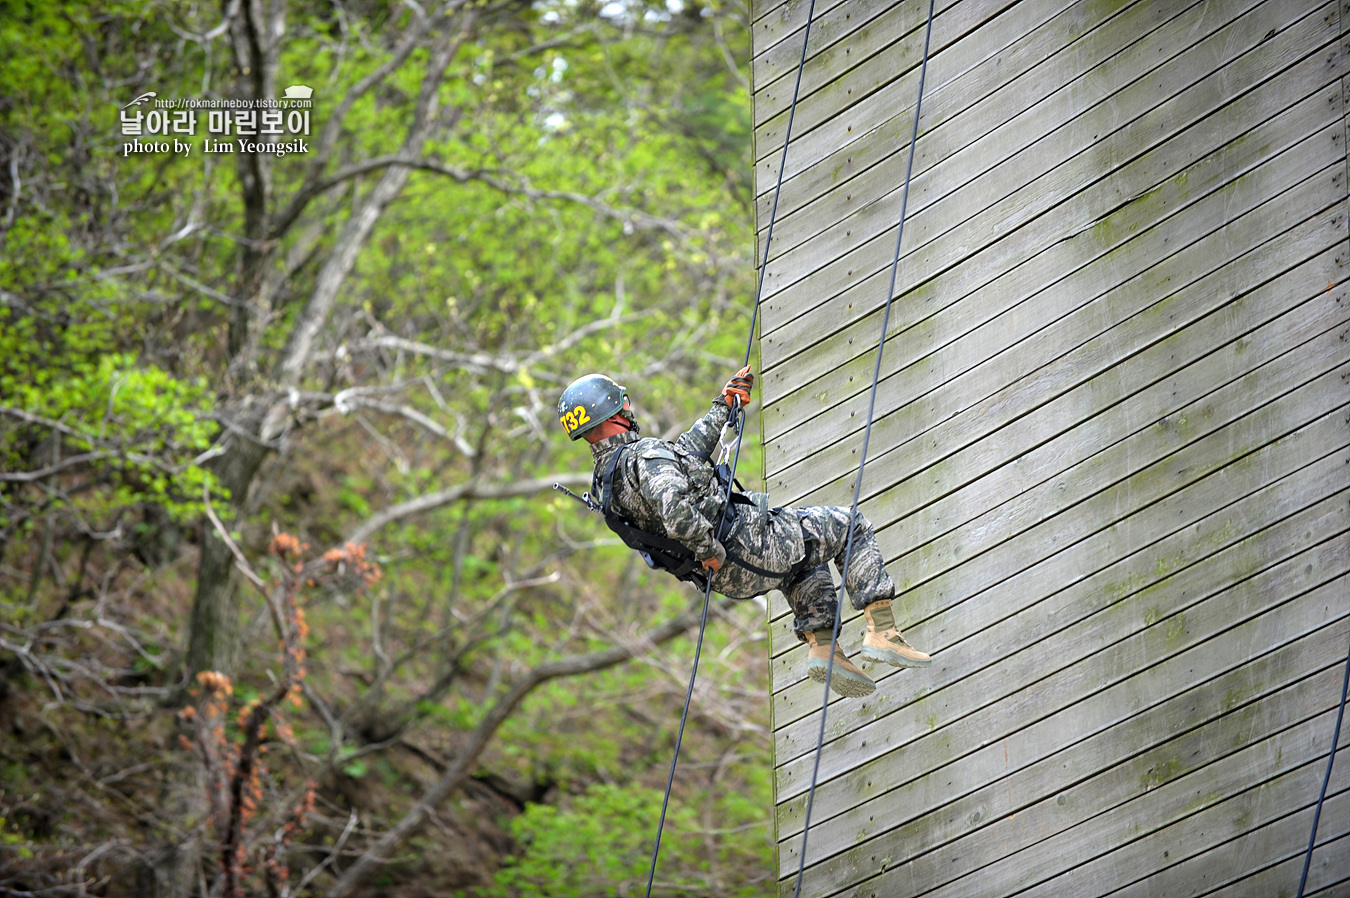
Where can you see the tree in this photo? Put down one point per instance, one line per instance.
(360, 343)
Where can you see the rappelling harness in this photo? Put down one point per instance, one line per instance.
(660, 551)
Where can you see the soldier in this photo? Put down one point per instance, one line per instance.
(666, 497)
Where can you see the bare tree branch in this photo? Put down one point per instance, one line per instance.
(464, 762)
(463, 491)
(482, 362)
(631, 219)
(473, 362)
(31, 418)
(323, 147)
(345, 401)
(242, 563)
(73, 461)
(319, 185)
(334, 272)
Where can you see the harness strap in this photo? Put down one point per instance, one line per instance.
(670, 554)
(734, 558)
(660, 552)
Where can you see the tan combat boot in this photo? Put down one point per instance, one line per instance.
(885, 643)
(847, 680)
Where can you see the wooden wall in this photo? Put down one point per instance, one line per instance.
(1111, 463)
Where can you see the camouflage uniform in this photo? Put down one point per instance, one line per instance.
(670, 489)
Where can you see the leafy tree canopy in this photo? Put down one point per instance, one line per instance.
(218, 369)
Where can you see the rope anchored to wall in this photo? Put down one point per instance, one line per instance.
(1322, 796)
(862, 461)
(737, 420)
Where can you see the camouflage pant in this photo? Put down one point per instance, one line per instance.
(811, 592)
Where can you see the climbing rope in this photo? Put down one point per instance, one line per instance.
(778, 185)
(867, 434)
(1317, 813)
(737, 420)
(684, 717)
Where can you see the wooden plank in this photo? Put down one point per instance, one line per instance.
(942, 344)
(1111, 439)
(933, 731)
(1231, 864)
(1012, 118)
(775, 21)
(842, 40)
(949, 623)
(1176, 567)
(959, 72)
(1230, 147)
(1000, 265)
(1326, 877)
(1051, 167)
(1279, 750)
(818, 162)
(1181, 409)
(947, 515)
(1165, 480)
(984, 668)
(1165, 861)
(1108, 438)
(776, 26)
(920, 376)
(971, 705)
(963, 37)
(982, 633)
(1114, 834)
(1047, 734)
(1203, 100)
(957, 393)
(1060, 854)
(1196, 370)
(1226, 281)
(983, 786)
(888, 50)
(1119, 561)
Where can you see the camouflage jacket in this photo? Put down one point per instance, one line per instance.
(670, 489)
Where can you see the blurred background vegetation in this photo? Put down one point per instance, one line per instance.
(287, 605)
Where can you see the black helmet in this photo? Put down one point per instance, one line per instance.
(588, 402)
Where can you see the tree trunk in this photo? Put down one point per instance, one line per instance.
(213, 631)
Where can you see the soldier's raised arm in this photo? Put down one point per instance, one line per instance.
(701, 439)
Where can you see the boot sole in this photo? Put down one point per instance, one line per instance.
(895, 659)
(843, 682)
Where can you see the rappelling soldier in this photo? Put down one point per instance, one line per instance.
(668, 501)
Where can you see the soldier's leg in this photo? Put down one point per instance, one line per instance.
(828, 527)
(811, 595)
(870, 587)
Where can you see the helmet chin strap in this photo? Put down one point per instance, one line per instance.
(630, 420)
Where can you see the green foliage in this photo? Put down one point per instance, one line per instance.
(614, 196)
(14, 842)
(600, 843)
(351, 766)
(72, 330)
(144, 426)
(604, 840)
